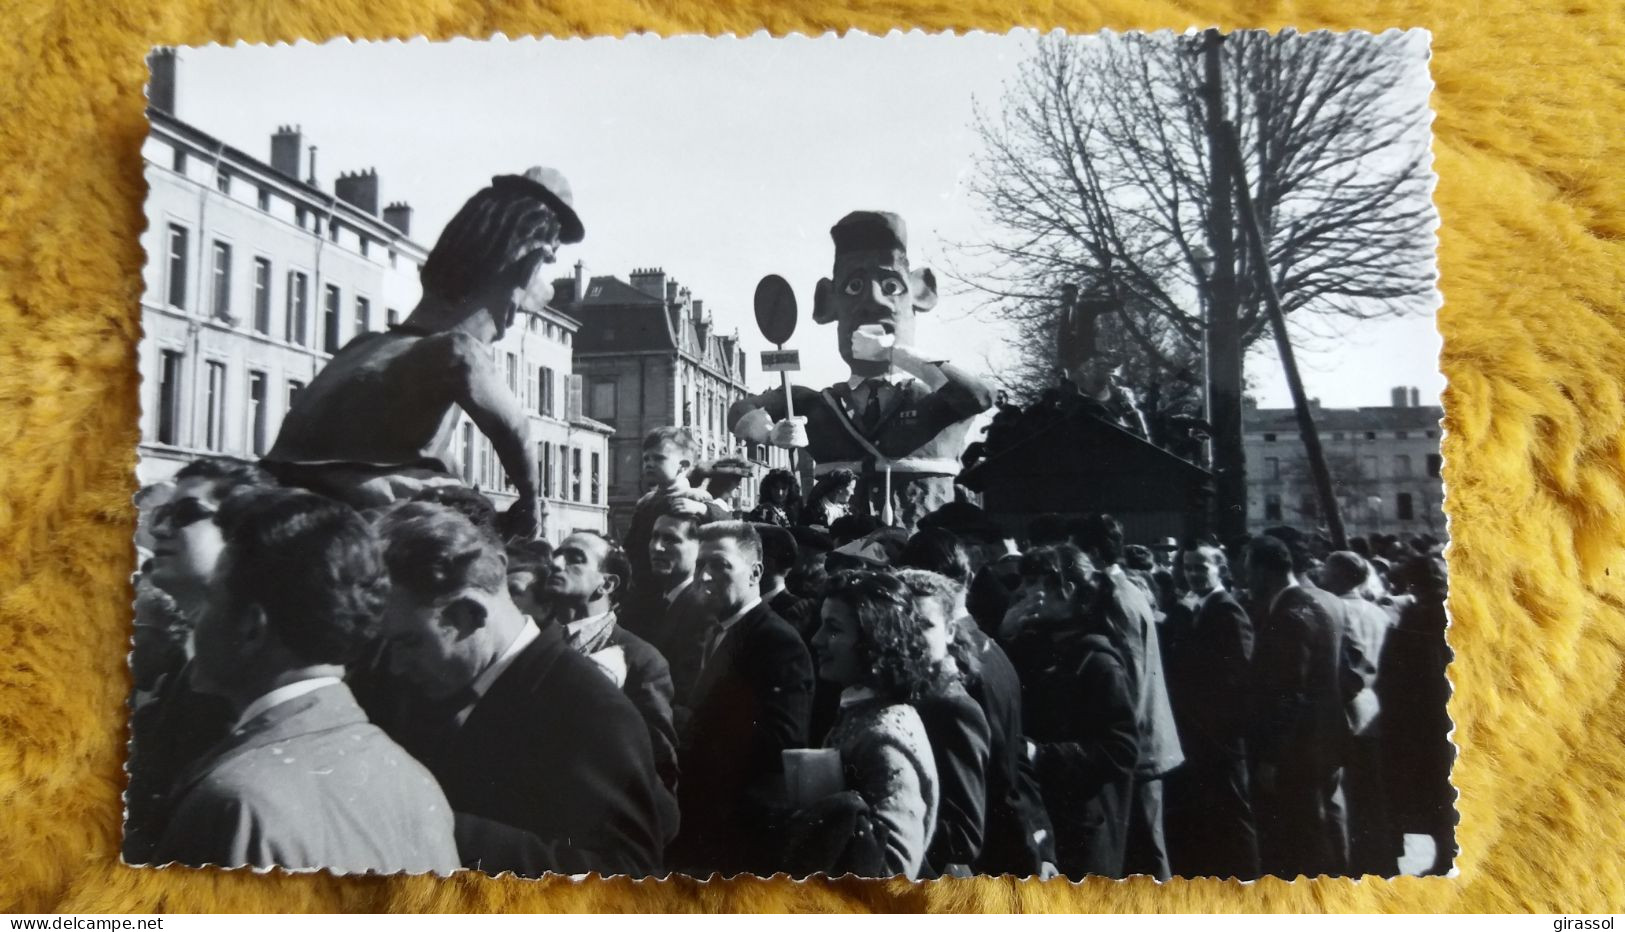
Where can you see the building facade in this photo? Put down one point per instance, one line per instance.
(255, 276)
(649, 356)
(1384, 462)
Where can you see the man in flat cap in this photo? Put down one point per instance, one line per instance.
(377, 424)
(900, 420)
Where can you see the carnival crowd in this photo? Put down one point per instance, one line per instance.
(401, 690)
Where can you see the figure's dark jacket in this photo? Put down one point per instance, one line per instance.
(648, 685)
(1018, 837)
(958, 730)
(1415, 725)
(1307, 669)
(918, 426)
(555, 751)
(802, 614)
(673, 630)
(167, 735)
(1208, 651)
(1209, 822)
(749, 703)
(1079, 714)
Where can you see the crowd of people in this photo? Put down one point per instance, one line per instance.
(793, 689)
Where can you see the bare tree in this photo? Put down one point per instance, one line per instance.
(1094, 173)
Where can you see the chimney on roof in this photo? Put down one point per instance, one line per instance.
(312, 179)
(359, 189)
(1416, 397)
(161, 80)
(1397, 396)
(671, 292)
(699, 311)
(399, 216)
(286, 148)
(650, 281)
(581, 280)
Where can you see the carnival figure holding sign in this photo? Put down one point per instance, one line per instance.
(900, 420)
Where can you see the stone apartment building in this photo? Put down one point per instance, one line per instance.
(649, 355)
(1384, 461)
(255, 275)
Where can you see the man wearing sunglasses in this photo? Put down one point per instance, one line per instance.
(377, 424)
(178, 724)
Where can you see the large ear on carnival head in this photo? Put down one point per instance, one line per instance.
(923, 285)
(824, 302)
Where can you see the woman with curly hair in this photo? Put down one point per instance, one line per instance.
(829, 499)
(777, 502)
(874, 645)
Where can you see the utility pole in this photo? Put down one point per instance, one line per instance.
(1253, 230)
(1223, 332)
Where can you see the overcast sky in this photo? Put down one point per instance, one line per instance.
(719, 160)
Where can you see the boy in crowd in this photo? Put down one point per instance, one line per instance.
(668, 457)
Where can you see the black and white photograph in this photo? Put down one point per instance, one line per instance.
(897, 456)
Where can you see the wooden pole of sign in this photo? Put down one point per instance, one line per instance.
(886, 515)
(790, 412)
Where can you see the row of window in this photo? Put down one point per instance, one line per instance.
(1366, 468)
(303, 217)
(1369, 435)
(1369, 509)
(550, 330)
(257, 426)
(560, 466)
(297, 300)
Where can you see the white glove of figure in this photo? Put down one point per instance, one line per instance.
(790, 433)
(872, 343)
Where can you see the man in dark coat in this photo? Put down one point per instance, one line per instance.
(302, 780)
(1209, 648)
(588, 572)
(1415, 722)
(1078, 707)
(779, 555)
(1083, 743)
(665, 609)
(750, 702)
(546, 762)
(1306, 669)
(1127, 605)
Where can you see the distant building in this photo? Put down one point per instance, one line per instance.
(1384, 463)
(649, 356)
(255, 276)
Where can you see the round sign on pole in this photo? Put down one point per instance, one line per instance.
(775, 309)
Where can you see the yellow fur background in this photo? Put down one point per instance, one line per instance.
(1530, 147)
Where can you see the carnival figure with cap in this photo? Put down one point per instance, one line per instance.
(900, 420)
(378, 423)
